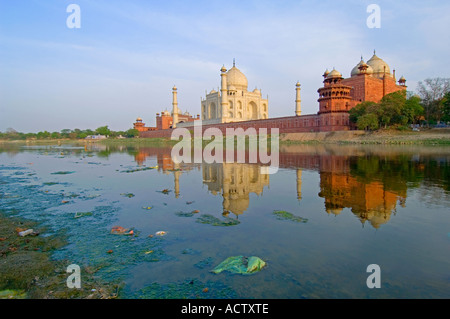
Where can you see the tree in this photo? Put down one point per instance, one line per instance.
(413, 110)
(132, 133)
(367, 122)
(42, 135)
(390, 108)
(359, 110)
(432, 91)
(446, 107)
(103, 130)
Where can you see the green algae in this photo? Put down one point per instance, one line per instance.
(284, 215)
(129, 195)
(140, 169)
(187, 289)
(214, 221)
(63, 172)
(28, 270)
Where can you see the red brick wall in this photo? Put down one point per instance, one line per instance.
(368, 88)
(306, 123)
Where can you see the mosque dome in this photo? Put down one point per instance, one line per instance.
(236, 78)
(356, 70)
(378, 65)
(334, 74)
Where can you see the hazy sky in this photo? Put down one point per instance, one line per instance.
(124, 60)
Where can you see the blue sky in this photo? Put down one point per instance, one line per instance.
(127, 55)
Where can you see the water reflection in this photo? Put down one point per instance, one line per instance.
(235, 182)
(371, 182)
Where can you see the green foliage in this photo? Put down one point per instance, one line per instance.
(360, 109)
(394, 109)
(433, 92)
(103, 130)
(131, 133)
(413, 110)
(446, 107)
(367, 122)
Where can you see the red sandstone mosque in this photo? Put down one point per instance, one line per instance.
(236, 107)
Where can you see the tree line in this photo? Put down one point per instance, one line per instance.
(430, 106)
(12, 134)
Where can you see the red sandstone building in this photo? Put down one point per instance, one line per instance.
(367, 82)
(164, 121)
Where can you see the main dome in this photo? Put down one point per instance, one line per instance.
(237, 79)
(378, 66)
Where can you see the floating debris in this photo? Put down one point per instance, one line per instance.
(147, 207)
(189, 203)
(26, 232)
(63, 173)
(190, 251)
(139, 169)
(211, 220)
(187, 214)
(160, 233)
(119, 230)
(284, 215)
(129, 195)
(240, 265)
(165, 191)
(184, 214)
(82, 214)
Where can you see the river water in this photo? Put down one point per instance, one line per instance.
(318, 222)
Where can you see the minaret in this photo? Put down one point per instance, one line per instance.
(299, 184)
(176, 176)
(298, 110)
(175, 107)
(223, 92)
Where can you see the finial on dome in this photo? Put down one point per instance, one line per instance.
(234, 62)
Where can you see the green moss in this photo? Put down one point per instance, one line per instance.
(284, 215)
(214, 221)
(28, 270)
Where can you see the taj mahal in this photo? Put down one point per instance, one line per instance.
(235, 106)
(234, 102)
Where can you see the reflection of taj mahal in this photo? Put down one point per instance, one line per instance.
(235, 182)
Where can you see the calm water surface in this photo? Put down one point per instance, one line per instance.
(348, 207)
